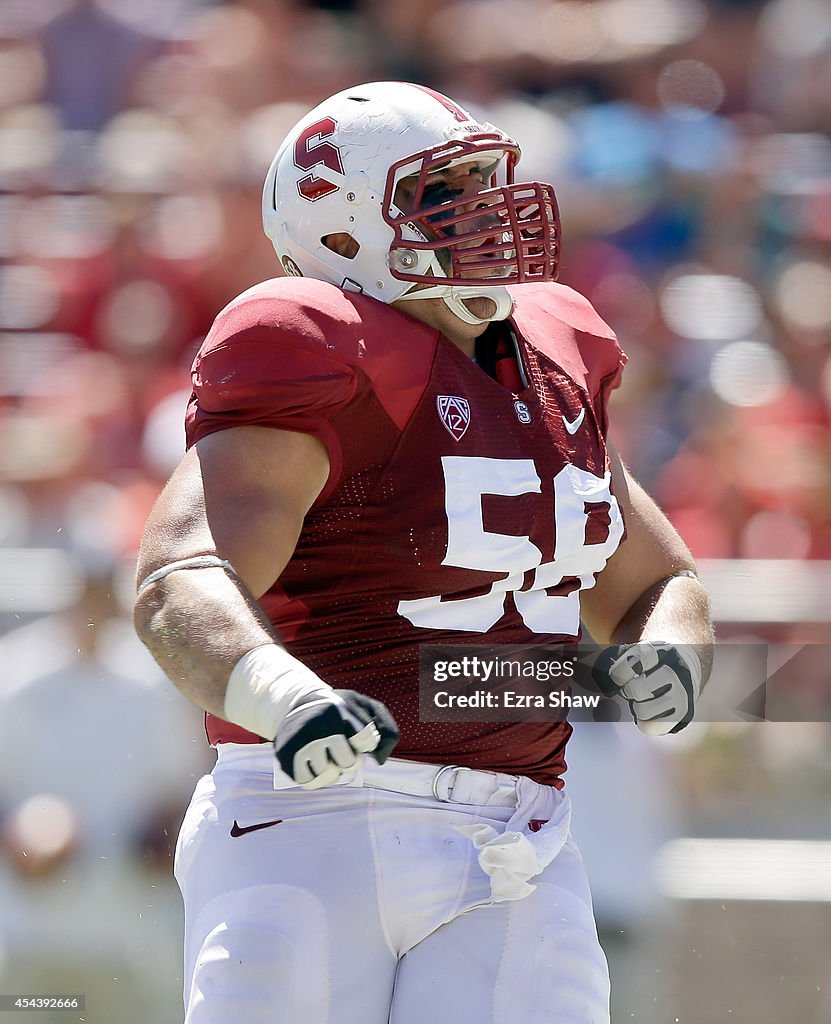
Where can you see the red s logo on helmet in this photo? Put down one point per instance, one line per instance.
(309, 151)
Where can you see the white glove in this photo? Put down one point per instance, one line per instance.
(660, 681)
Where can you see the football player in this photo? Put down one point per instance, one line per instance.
(403, 441)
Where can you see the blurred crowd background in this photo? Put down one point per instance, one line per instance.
(689, 142)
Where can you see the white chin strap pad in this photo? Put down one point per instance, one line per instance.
(498, 294)
(454, 298)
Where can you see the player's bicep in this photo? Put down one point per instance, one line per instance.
(652, 551)
(241, 493)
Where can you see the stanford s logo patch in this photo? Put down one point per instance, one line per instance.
(454, 412)
(523, 413)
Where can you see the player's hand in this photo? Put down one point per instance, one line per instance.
(325, 735)
(660, 681)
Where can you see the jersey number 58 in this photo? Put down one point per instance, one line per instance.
(577, 495)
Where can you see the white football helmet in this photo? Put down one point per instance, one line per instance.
(339, 168)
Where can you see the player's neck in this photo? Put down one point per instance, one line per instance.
(435, 313)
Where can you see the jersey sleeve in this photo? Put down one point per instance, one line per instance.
(270, 363)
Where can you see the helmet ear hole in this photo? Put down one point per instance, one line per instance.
(343, 244)
(290, 267)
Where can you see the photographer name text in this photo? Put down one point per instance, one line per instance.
(509, 699)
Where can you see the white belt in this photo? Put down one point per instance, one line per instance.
(512, 856)
(449, 783)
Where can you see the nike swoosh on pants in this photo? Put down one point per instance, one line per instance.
(239, 830)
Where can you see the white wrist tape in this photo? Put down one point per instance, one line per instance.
(264, 686)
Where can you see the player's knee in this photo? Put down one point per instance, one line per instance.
(263, 960)
(552, 941)
(242, 972)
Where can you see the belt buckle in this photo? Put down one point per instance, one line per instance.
(438, 775)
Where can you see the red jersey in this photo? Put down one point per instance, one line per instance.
(456, 509)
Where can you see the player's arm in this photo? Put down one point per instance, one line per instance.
(649, 595)
(239, 497)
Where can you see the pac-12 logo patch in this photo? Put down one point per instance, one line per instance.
(523, 413)
(454, 412)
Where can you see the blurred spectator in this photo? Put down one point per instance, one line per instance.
(98, 754)
(92, 60)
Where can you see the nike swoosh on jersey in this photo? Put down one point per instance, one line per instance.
(572, 426)
(239, 830)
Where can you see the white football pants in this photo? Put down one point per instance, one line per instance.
(358, 904)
